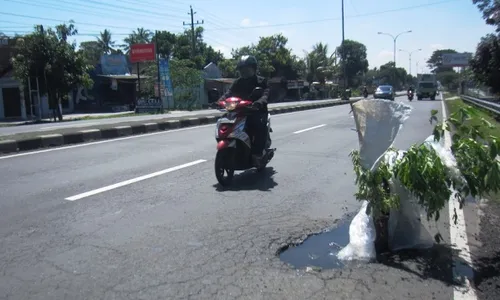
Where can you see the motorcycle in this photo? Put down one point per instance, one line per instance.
(234, 145)
(365, 94)
(410, 95)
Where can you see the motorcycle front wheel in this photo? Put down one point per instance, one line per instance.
(223, 170)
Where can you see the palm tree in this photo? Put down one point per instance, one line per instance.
(63, 30)
(320, 65)
(141, 36)
(105, 41)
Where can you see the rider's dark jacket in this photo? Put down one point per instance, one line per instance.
(243, 87)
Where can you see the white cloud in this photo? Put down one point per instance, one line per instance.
(437, 46)
(245, 22)
(224, 50)
(263, 23)
(385, 54)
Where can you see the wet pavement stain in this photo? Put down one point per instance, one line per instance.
(319, 250)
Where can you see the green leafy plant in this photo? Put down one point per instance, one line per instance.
(423, 173)
(373, 186)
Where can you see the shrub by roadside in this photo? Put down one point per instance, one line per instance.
(454, 105)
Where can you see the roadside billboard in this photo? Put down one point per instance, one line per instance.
(166, 83)
(114, 64)
(142, 52)
(456, 59)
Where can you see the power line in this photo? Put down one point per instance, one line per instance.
(240, 27)
(153, 5)
(135, 10)
(23, 26)
(79, 11)
(9, 23)
(338, 19)
(217, 42)
(252, 27)
(77, 34)
(58, 7)
(62, 21)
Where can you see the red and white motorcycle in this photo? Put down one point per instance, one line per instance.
(234, 145)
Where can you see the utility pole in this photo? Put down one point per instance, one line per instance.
(344, 63)
(192, 24)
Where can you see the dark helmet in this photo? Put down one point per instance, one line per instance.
(247, 60)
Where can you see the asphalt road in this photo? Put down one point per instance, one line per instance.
(174, 235)
(85, 123)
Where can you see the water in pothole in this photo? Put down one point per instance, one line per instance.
(319, 250)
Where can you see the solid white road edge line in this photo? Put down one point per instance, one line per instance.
(458, 235)
(310, 128)
(133, 180)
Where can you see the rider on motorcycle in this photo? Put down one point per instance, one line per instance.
(365, 91)
(242, 87)
(410, 89)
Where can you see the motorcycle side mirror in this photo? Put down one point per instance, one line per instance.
(257, 93)
(213, 95)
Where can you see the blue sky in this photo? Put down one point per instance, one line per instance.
(436, 24)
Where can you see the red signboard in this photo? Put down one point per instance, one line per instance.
(142, 52)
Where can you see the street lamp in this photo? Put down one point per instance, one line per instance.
(394, 38)
(409, 56)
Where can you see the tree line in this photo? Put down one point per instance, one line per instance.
(484, 66)
(44, 51)
(48, 53)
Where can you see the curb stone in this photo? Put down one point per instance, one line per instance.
(84, 136)
(52, 140)
(90, 135)
(8, 146)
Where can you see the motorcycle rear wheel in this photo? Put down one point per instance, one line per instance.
(223, 158)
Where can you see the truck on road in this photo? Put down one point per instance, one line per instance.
(427, 86)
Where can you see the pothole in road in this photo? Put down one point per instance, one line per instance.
(319, 251)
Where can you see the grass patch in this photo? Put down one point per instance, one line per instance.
(455, 105)
(448, 94)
